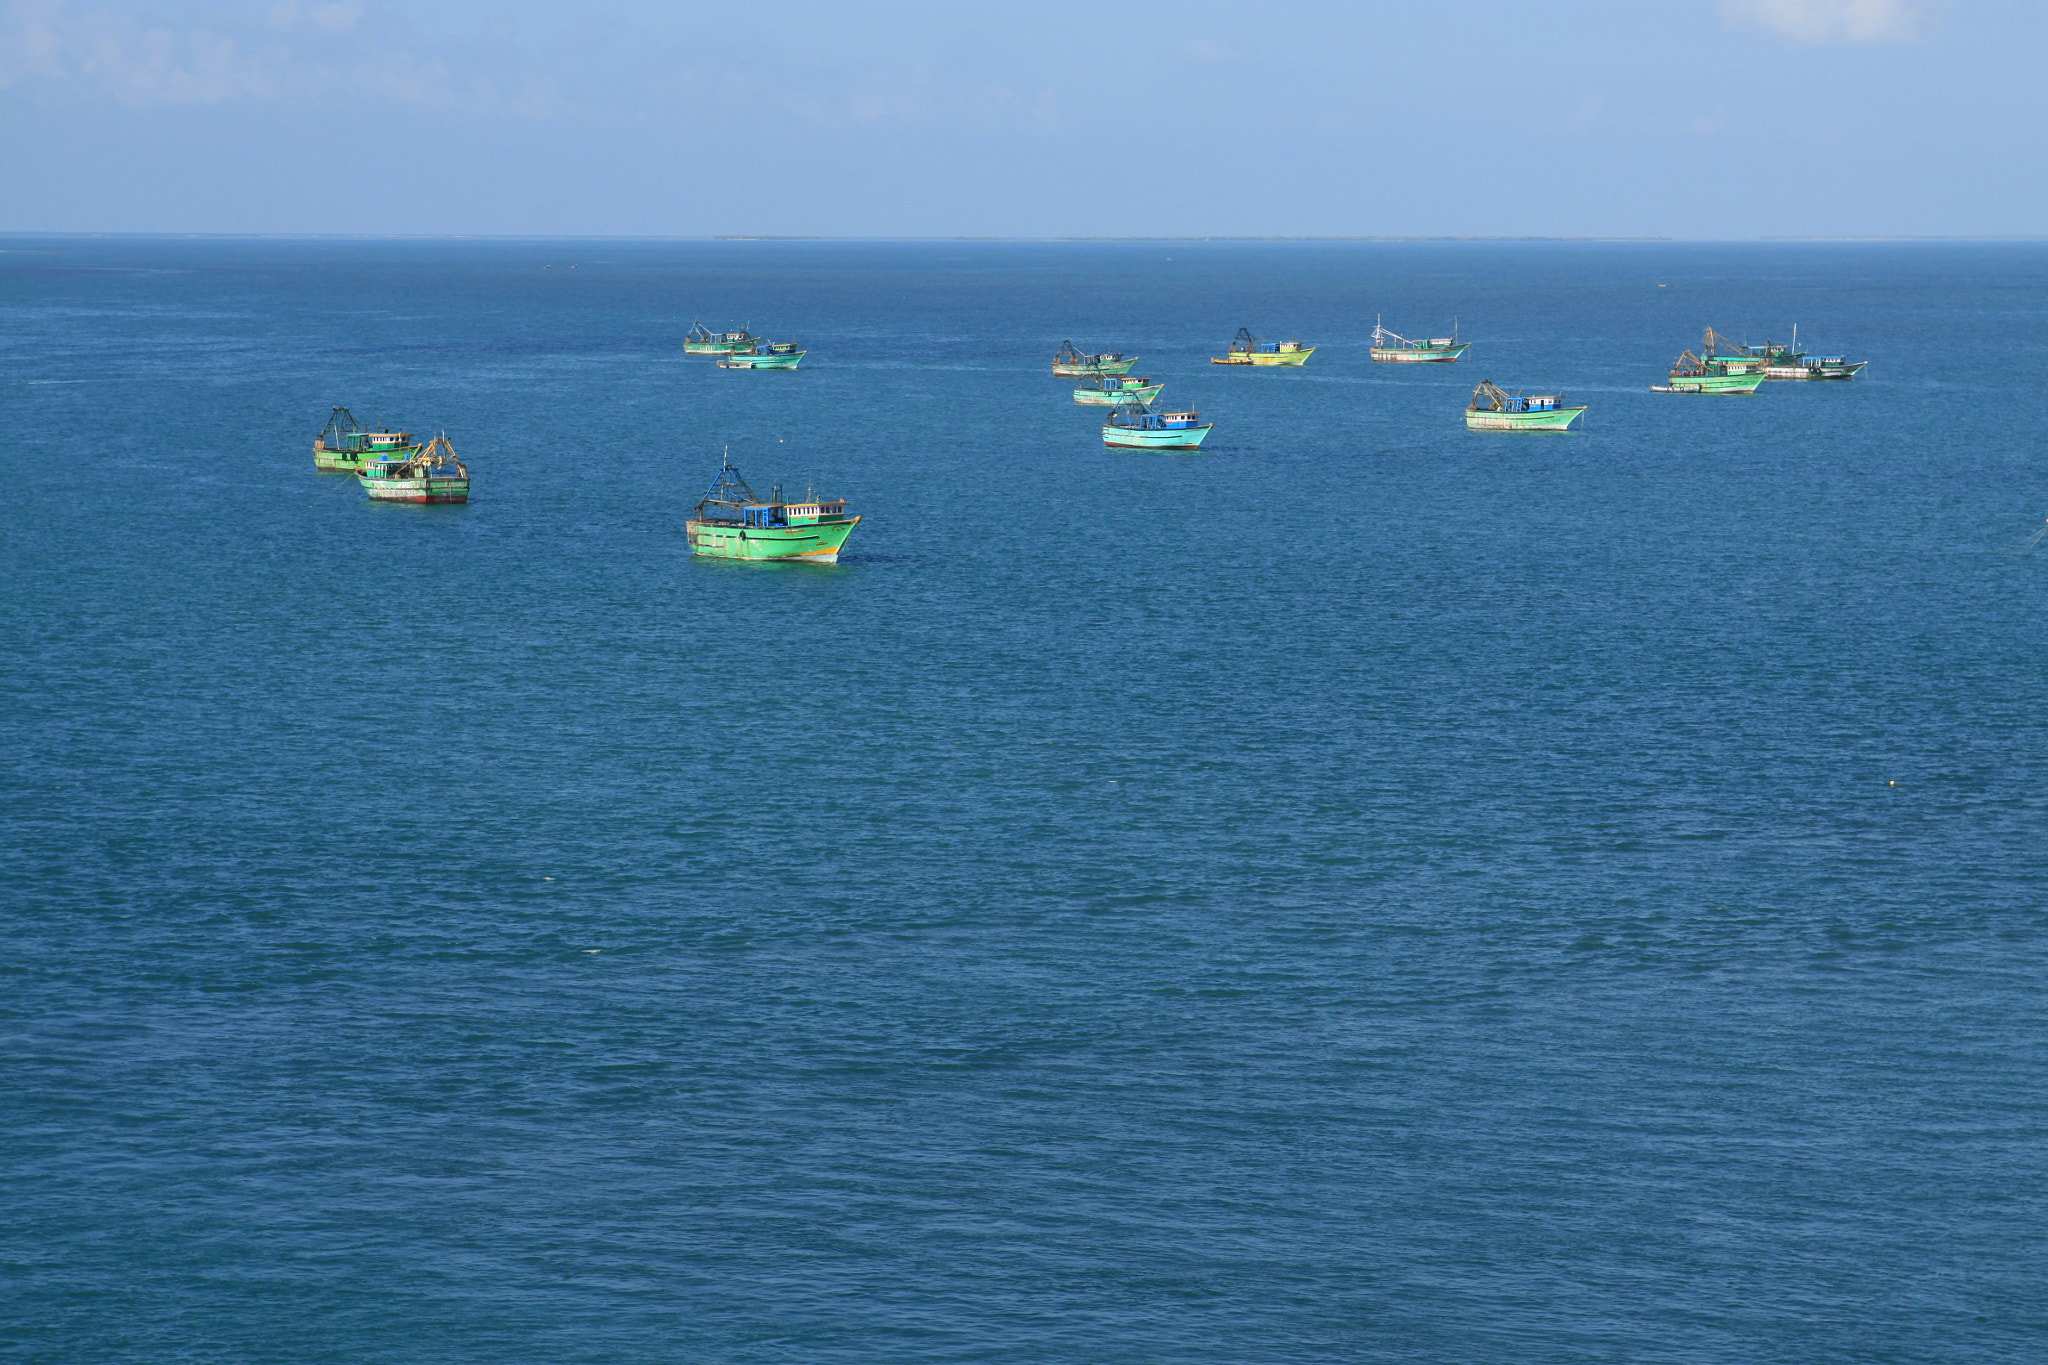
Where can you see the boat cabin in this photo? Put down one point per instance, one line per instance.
(766, 514)
(1138, 417)
(1490, 397)
(730, 502)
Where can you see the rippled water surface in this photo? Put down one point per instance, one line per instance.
(1365, 892)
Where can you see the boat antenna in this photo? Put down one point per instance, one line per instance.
(2029, 543)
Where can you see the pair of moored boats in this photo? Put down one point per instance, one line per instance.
(1133, 424)
(390, 465)
(1725, 366)
(742, 350)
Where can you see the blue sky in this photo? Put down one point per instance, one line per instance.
(1728, 119)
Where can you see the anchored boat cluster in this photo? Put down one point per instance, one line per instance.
(731, 521)
(392, 466)
(1724, 366)
(1107, 381)
(742, 350)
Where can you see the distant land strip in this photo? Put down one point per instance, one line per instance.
(1362, 239)
(1839, 238)
(762, 237)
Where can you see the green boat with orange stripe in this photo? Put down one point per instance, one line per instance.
(732, 522)
(345, 445)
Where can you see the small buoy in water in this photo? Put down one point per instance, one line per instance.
(1895, 784)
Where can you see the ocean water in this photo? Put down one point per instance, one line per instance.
(1364, 892)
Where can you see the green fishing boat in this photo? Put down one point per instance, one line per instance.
(731, 522)
(1246, 349)
(701, 340)
(1690, 374)
(430, 474)
(1070, 363)
(344, 444)
(1393, 347)
(1495, 409)
(767, 355)
(1107, 390)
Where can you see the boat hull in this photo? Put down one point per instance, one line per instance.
(1264, 358)
(813, 543)
(1554, 419)
(416, 490)
(1411, 354)
(1180, 438)
(1084, 371)
(1711, 383)
(1109, 398)
(713, 347)
(762, 362)
(1846, 370)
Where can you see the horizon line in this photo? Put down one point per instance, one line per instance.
(13, 233)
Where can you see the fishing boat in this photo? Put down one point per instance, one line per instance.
(1392, 346)
(1722, 356)
(1813, 367)
(1069, 363)
(731, 522)
(430, 474)
(767, 355)
(701, 340)
(1246, 349)
(1778, 362)
(343, 444)
(1495, 409)
(1690, 374)
(1136, 426)
(1107, 390)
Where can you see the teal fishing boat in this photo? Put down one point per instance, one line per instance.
(344, 444)
(1690, 374)
(1069, 363)
(1495, 409)
(1107, 390)
(1393, 347)
(701, 340)
(1136, 426)
(768, 355)
(430, 474)
(731, 522)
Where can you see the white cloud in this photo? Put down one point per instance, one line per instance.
(249, 52)
(1830, 21)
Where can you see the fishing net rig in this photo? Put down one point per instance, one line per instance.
(2023, 546)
